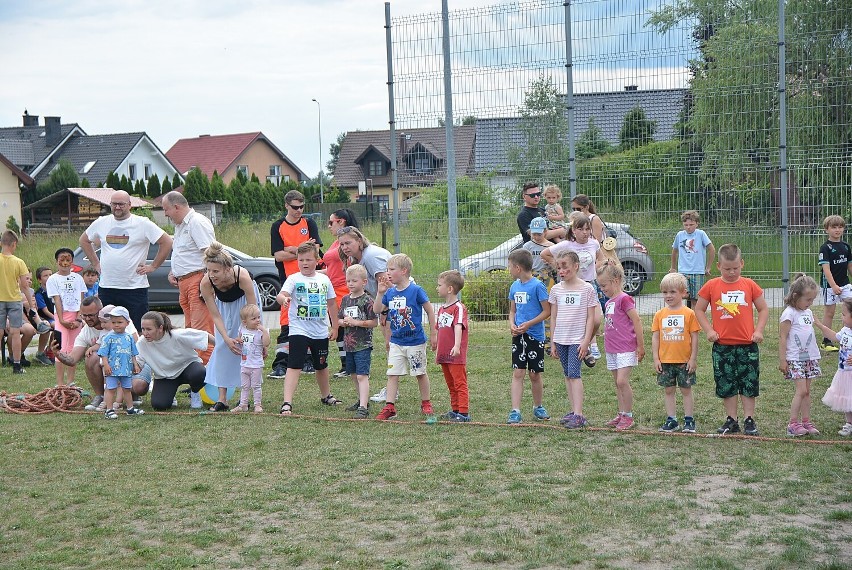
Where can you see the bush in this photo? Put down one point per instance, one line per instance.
(12, 224)
(486, 296)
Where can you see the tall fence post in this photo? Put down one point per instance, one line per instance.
(452, 199)
(569, 68)
(782, 148)
(392, 123)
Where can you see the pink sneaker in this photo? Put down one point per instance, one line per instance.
(614, 421)
(796, 429)
(625, 423)
(812, 430)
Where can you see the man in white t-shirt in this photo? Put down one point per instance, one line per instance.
(124, 239)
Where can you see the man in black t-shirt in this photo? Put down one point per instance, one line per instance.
(531, 210)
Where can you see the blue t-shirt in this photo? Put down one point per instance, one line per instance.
(405, 314)
(119, 350)
(691, 252)
(528, 298)
(93, 290)
(43, 301)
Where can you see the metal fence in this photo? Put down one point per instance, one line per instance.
(650, 107)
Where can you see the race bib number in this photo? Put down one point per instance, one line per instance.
(445, 320)
(734, 297)
(397, 304)
(573, 299)
(247, 338)
(351, 312)
(674, 322)
(521, 298)
(610, 309)
(807, 320)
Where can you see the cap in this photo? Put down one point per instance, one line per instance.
(538, 225)
(104, 312)
(119, 312)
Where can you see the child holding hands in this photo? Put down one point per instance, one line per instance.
(838, 397)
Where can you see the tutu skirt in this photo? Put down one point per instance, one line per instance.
(838, 397)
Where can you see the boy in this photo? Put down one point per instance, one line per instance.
(45, 308)
(535, 246)
(528, 309)
(835, 261)
(451, 346)
(403, 305)
(118, 358)
(674, 342)
(692, 254)
(736, 358)
(310, 301)
(90, 278)
(13, 271)
(67, 289)
(358, 320)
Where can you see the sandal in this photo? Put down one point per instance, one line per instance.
(258, 409)
(286, 409)
(330, 400)
(219, 407)
(240, 408)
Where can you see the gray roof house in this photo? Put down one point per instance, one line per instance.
(31, 146)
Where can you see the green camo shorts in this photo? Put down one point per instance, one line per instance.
(675, 375)
(736, 369)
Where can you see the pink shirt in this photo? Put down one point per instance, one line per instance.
(572, 310)
(619, 334)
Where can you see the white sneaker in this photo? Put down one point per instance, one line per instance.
(846, 430)
(174, 402)
(381, 396)
(195, 401)
(595, 351)
(96, 402)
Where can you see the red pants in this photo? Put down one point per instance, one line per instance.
(456, 378)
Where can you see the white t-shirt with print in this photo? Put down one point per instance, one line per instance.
(124, 247)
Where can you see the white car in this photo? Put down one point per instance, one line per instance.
(638, 265)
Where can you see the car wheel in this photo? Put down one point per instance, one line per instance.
(634, 278)
(268, 288)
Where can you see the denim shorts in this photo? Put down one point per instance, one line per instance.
(359, 362)
(112, 382)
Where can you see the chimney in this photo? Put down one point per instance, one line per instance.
(30, 120)
(631, 87)
(52, 131)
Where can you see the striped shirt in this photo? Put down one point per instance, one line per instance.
(572, 309)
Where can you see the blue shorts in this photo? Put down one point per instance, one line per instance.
(112, 382)
(145, 374)
(359, 362)
(569, 357)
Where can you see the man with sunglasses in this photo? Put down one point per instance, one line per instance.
(286, 236)
(532, 210)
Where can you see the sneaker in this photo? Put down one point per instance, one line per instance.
(426, 409)
(354, 407)
(219, 407)
(749, 427)
(626, 422)
(278, 372)
(576, 421)
(24, 362)
(846, 430)
(595, 351)
(590, 361)
(361, 413)
(110, 415)
(829, 346)
(174, 402)
(614, 421)
(308, 367)
(449, 416)
(135, 411)
(688, 426)
(730, 426)
(566, 418)
(387, 413)
(461, 418)
(795, 429)
(42, 359)
(342, 373)
(380, 396)
(812, 429)
(239, 409)
(670, 425)
(514, 417)
(540, 413)
(17, 368)
(195, 401)
(101, 407)
(94, 404)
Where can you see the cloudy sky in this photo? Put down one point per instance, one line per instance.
(181, 68)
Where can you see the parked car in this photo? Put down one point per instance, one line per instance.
(162, 294)
(638, 265)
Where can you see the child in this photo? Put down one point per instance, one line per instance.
(573, 304)
(404, 304)
(118, 358)
(528, 308)
(798, 353)
(736, 357)
(358, 320)
(623, 341)
(254, 339)
(674, 343)
(46, 311)
(538, 243)
(553, 211)
(692, 254)
(451, 346)
(67, 289)
(310, 301)
(838, 397)
(835, 261)
(90, 278)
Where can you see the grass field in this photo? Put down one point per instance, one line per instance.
(183, 489)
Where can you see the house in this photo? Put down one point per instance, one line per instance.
(249, 153)
(12, 179)
(365, 161)
(494, 136)
(37, 151)
(72, 208)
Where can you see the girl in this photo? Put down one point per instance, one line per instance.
(254, 339)
(573, 305)
(623, 341)
(838, 397)
(798, 353)
(553, 211)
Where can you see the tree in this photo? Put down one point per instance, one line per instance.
(154, 189)
(84, 183)
(176, 181)
(167, 186)
(113, 181)
(591, 143)
(62, 177)
(334, 153)
(139, 189)
(197, 186)
(637, 129)
(335, 195)
(465, 121)
(125, 184)
(475, 198)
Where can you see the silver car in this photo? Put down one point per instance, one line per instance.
(638, 265)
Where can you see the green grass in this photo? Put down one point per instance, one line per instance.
(182, 489)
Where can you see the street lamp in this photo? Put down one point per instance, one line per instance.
(319, 134)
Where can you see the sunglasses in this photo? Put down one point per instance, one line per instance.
(295, 207)
(535, 195)
(345, 230)
(577, 209)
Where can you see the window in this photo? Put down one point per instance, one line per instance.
(275, 170)
(376, 167)
(242, 168)
(286, 178)
(148, 172)
(88, 167)
(131, 170)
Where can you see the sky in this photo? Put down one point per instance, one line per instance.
(182, 68)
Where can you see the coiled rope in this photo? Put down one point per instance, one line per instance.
(57, 399)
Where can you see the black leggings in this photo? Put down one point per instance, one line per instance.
(165, 388)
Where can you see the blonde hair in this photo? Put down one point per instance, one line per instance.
(690, 215)
(799, 285)
(356, 271)
(357, 235)
(552, 189)
(833, 220)
(249, 311)
(401, 261)
(674, 282)
(216, 253)
(8, 238)
(611, 271)
(453, 278)
(569, 255)
(730, 252)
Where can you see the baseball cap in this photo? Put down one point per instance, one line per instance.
(118, 312)
(103, 314)
(538, 225)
